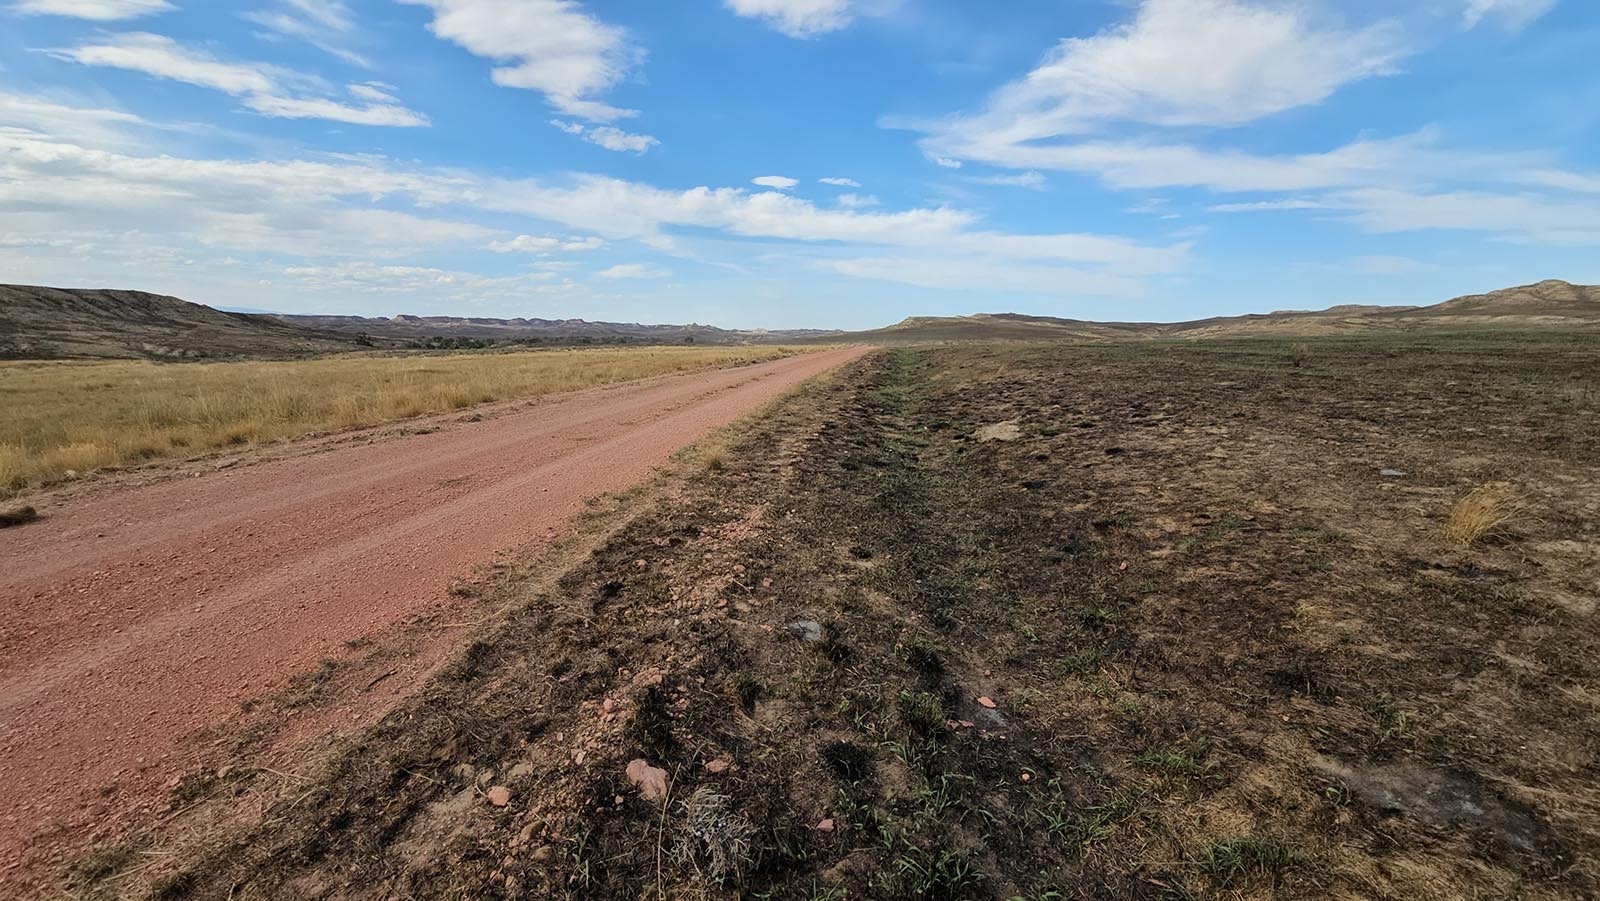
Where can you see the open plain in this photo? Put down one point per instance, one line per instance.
(1162, 619)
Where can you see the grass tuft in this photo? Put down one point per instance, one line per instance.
(715, 457)
(1234, 861)
(1487, 511)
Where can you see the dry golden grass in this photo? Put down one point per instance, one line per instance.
(60, 419)
(1486, 511)
(715, 457)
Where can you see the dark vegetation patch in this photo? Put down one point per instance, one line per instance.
(1231, 660)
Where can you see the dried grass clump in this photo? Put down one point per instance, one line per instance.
(715, 457)
(717, 839)
(1486, 511)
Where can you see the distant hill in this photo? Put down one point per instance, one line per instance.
(49, 323)
(1546, 304)
(58, 323)
(555, 330)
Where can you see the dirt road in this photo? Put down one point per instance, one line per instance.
(132, 618)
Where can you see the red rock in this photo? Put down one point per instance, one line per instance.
(986, 701)
(651, 781)
(825, 825)
(499, 796)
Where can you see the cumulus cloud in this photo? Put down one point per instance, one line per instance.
(264, 89)
(607, 136)
(779, 182)
(550, 46)
(1178, 63)
(93, 10)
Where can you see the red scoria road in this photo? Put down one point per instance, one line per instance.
(132, 618)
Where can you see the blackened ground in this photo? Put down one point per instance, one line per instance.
(1186, 634)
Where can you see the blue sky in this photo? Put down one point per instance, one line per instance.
(785, 163)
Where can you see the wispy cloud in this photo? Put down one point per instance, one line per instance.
(324, 24)
(797, 18)
(93, 10)
(262, 88)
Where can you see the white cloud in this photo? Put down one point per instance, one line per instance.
(545, 244)
(320, 23)
(1513, 14)
(796, 18)
(372, 278)
(74, 123)
(840, 182)
(607, 136)
(1178, 63)
(384, 113)
(1527, 218)
(944, 162)
(94, 10)
(550, 46)
(162, 57)
(1033, 180)
(621, 141)
(856, 201)
(633, 270)
(1258, 206)
(1142, 164)
(371, 208)
(1191, 62)
(262, 88)
(779, 182)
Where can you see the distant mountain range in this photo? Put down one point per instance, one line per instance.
(57, 323)
(1546, 304)
(556, 330)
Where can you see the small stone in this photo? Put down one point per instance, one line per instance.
(718, 766)
(651, 781)
(1392, 473)
(609, 706)
(825, 825)
(499, 796)
(987, 701)
(807, 630)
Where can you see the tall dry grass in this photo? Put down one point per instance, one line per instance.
(61, 419)
(1485, 512)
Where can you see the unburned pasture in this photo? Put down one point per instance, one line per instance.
(59, 420)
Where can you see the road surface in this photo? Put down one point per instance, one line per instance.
(131, 618)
